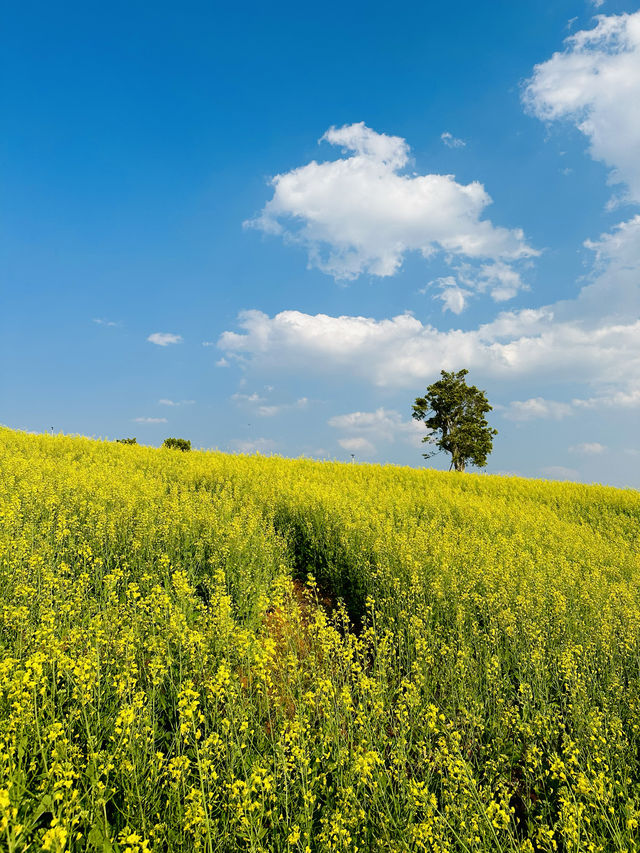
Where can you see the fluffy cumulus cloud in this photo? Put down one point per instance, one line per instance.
(357, 444)
(500, 279)
(382, 425)
(403, 352)
(626, 398)
(453, 297)
(364, 211)
(164, 339)
(361, 213)
(621, 398)
(595, 83)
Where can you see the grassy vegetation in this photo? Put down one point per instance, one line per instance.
(462, 672)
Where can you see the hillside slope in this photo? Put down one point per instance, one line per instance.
(211, 652)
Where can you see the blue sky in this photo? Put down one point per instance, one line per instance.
(270, 227)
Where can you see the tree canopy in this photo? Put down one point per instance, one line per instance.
(177, 444)
(454, 413)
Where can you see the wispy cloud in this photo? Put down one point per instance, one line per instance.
(164, 339)
(265, 409)
(256, 445)
(276, 409)
(165, 402)
(150, 420)
(102, 321)
(537, 407)
(239, 397)
(588, 448)
(452, 141)
(559, 472)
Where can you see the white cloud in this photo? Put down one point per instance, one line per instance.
(616, 286)
(357, 445)
(403, 352)
(628, 398)
(595, 82)
(588, 448)
(559, 472)
(359, 214)
(453, 297)
(593, 340)
(382, 425)
(257, 445)
(247, 398)
(502, 281)
(102, 322)
(150, 420)
(451, 141)
(537, 407)
(222, 362)
(270, 411)
(163, 339)
(165, 402)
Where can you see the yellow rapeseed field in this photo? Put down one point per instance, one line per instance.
(205, 652)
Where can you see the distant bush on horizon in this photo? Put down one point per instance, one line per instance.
(177, 444)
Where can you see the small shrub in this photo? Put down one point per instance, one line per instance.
(177, 443)
(126, 441)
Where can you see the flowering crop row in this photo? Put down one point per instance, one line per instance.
(222, 653)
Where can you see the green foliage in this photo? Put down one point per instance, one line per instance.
(455, 414)
(126, 441)
(177, 444)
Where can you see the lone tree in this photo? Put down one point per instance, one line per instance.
(454, 412)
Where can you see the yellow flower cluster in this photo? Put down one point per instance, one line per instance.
(205, 652)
